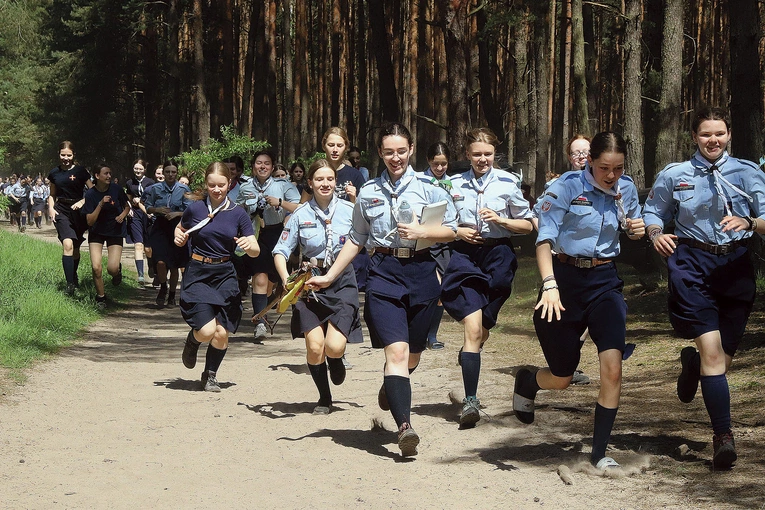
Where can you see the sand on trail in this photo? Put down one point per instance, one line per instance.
(117, 421)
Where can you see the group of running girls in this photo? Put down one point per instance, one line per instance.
(463, 262)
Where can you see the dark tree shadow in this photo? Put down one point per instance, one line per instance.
(188, 384)
(367, 441)
(449, 412)
(277, 410)
(295, 369)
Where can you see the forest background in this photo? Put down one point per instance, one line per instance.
(152, 79)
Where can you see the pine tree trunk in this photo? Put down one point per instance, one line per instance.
(457, 58)
(582, 117)
(633, 122)
(671, 85)
(385, 70)
(201, 104)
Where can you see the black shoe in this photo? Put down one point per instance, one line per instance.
(336, 371)
(70, 289)
(190, 349)
(435, 345)
(116, 280)
(724, 451)
(382, 399)
(688, 381)
(209, 382)
(171, 299)
(161, 296)
(101, 303)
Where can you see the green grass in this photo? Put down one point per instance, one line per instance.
(36, 317)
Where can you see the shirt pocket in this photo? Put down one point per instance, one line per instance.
(379, 221)
(683, 195)
(497, 205)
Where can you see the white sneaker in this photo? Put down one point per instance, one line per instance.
(260, 332)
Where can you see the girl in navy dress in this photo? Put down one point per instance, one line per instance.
(138, 221)
(106, 207)
(402, 287)
(326, 318)
(68, 182)
(210, 300)
(717, 203)
(582, 216)
(40, 194)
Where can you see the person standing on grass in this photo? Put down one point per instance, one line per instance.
(167, 200)
(138, 221)
(19, 194)
(717, 203)
(39, 197)
(326, 318)
(581, 217)
(402, 288)
(106, 207)
(211, 303)
(68, 182)
(478, 280)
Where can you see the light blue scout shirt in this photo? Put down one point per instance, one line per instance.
(373, 221)
(698, 200)
(582, 221)
(307, 227)
(233, 193)
(497, 190)
(162, 195)
(252, 197)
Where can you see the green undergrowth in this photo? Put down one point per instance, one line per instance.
(36, 317)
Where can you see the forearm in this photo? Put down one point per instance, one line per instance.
(346, 255)
(441, 234)
(281, 267)
(93, 217)
(544, 260)
(518, 226)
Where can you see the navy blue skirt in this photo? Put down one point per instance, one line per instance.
(163, 246)
(137, 226)
(264, 262)
(478, 278)
(211, 291)
(70, 224)
(338, 304)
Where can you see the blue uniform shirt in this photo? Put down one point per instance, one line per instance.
(373, 219)
(162, 195)
(252, 198)
(306, 228)
(216, 239)
(233, 192)
(17, 190)
(686, 192)
(582, 221)
(501, 193)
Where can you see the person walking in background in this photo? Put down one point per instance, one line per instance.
(479, 277)
(717, 203)
(354, 158)
(67, 184)
(582, 216)
(210, 300)
(39, 198)
(106, 207)
(297, 176)
(138, 220)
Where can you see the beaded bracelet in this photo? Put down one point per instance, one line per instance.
(548, 278)
(654, 234)
(551, 287)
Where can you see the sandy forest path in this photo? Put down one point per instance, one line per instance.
(117, 422)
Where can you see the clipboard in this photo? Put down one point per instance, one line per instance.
(432, 214)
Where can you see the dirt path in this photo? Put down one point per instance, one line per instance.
(118, 422)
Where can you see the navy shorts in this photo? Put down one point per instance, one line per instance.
(593, 299)
(478, 278)
(264, 262)
(211, 291)
(99, 239)
(401, 298)
(70, 224)
(711, 292)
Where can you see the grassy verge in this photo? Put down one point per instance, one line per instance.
(36, 317)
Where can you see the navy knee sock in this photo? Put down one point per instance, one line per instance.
(604, 422)
(68, 262)
(38, 221)
(399, 392)
(139, 268)
(76, 267)
(471, 369)
(529, 386)
(213, 358)
(320, 379)
(259, 302)
(435, 322)
(716, 394)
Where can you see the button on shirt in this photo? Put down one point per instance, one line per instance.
(497, 190)
(162, 195)
(582, 221)
(686, 192)
(307, 229)
(252, 197)
(373, 223)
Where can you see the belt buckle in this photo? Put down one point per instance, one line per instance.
(404, 253)
(583, 263)
(722, 249)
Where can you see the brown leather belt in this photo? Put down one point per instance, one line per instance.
(714, 249)
(401, 253)
(208, 260)
(582, 262)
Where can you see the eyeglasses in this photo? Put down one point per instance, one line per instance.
(580, 154)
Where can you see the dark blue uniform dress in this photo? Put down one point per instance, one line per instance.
(106, 229)
(480, 276)
(70, 186)
(582, 223)
(138, 221)
(210, 289)
(163, 231)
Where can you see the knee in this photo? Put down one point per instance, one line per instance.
(314, 350)
(206, 333)
(97, 272)
(398, 356)
(611, 375)
(220, 338)
(560, 383)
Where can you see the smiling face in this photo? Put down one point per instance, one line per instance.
(323, 183)
(578, 153)
(395, 151)
(438, 165)
(262, 168)
(217, 187)
(138, 171)
(607, 168)
(481, 156)
(66, 156)
(104, 177)
(712, 138)
(158, 175)
(335, 148)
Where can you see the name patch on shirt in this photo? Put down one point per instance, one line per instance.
(582, 200)
(684, 186)
(551, 194)
(458, 198)
(307, 224)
